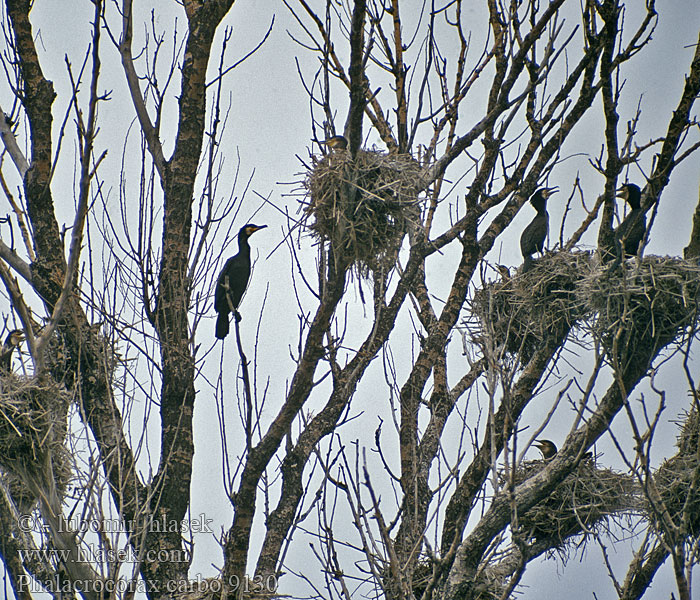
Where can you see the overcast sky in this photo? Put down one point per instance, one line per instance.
(268, 124)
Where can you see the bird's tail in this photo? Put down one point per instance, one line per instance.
(222, 325)
(527, 263)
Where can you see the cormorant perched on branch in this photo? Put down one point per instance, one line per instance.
(546, 447)
(337, 142)
(534, 235)
(13, 339)
(233, 281)
(631, 231)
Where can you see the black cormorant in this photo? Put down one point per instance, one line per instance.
(534, 235)
(631, 231)
(233, 281)
(546, 447)
(13, 339)
(337, 142)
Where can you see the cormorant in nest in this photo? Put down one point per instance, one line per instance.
(546, 447)
(233, 281)
(13, 339)
(337, 142)
(504, 272)
(534, 235)
(631, 231)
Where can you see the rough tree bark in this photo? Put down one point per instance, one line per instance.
(445, 501)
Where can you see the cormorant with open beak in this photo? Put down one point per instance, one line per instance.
(630, 232)
(337, 142)
(546, 447)
(233, 281)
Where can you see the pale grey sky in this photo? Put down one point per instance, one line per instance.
(268, 124)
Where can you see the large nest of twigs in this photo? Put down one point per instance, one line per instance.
(520, 312)
(422, 574)
(487, 586)
(629, 307)
(676, 481)
(581, 504)
(363, 206)
(689, 438)
(643, 305)
(33, 425)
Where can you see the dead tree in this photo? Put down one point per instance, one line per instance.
(452, 121)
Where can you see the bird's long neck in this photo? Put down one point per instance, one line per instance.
(634, 199)
(539, 204)
(243, 245)
(541, 210)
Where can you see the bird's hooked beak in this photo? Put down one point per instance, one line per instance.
(548, 191)
(253, 228)
(336, 142)
(16, 337)
(547, 448)
(622, 192)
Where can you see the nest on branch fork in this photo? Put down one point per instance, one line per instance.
(33, 426)
(522, 311)
(363, 206)
(677, 482)
(581, 504)
(629, 309)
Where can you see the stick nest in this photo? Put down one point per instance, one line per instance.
(628, 308)
(677, 481)
(641, 306)
(522, 311)
(33, 425)
(363, 206)
(581, 503)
